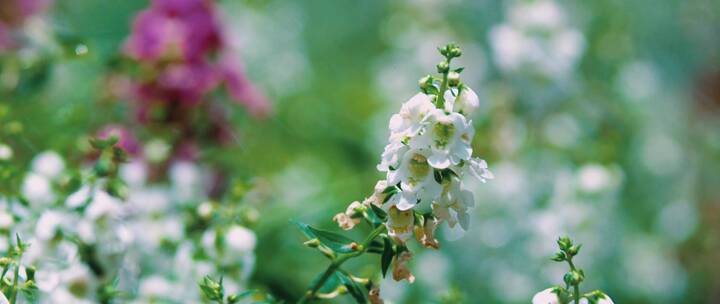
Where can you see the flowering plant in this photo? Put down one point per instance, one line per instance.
(428, 154)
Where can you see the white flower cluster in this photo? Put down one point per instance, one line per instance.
(536, 36)
(429, 153)
(158, 243)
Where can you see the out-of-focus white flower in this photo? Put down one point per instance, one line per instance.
(37, 189)
(48, 164)
(535, 36)
(5, 152)
(6, 219)
(103, 205)
(48, 224)
(467, 103)
(3, 299)
(240, 239)
(156, 286)
(134, 173)
(547, 296)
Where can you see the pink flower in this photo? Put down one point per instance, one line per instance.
(170, 28)
(176, 40)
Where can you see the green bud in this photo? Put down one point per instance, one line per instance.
(453, 79)
(232, 299)
(314, 243)
(30, 272)
(564, 243)
(574, 277)
(454, 52)
(558, 257)
(103, 167)
(574, 250)
(443, 67)
(425, 83)
(4, 261)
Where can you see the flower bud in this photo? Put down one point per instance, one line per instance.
(454, 51)
(564, 243)
(30, 273)
(574, 277)
(4, 261)
(314, 243)
(443, 67)
(425, 83)
(558, 257)
(573, 250)
(453, 79)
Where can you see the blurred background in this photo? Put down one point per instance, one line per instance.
(599, 119)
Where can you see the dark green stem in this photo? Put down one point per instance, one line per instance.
(335, 265)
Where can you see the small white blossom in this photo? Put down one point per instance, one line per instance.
(448, 136)
(547, 296)
(416, 178)
(240, 239)
(409, 121)
(467, 103)
(6, 153)
(48, 164)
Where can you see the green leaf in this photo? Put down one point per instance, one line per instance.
(387, 256)
(376, 247)
(379, 212)
(336, 242)
(353, 288)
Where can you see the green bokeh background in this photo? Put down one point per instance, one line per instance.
(325, 66)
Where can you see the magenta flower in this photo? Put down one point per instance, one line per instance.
(177, 40)
(174, 28)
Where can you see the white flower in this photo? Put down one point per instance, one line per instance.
(240, 239)
(156, 286)
(103, 205)
(5, 154)
(37, 189)
(6, 219)
(400, 224)
(479, 169)
(49, 164)
(448, 135)
(467, 103)
(409, 120)
(453, 205)
(47, 225)
(392, 154)
(416, 178)
(546, 296)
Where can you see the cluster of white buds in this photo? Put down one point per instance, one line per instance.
(426, 159)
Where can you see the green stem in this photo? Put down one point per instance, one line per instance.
(576, 287)
(338, 262)
(13, 294)
(443, 86)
